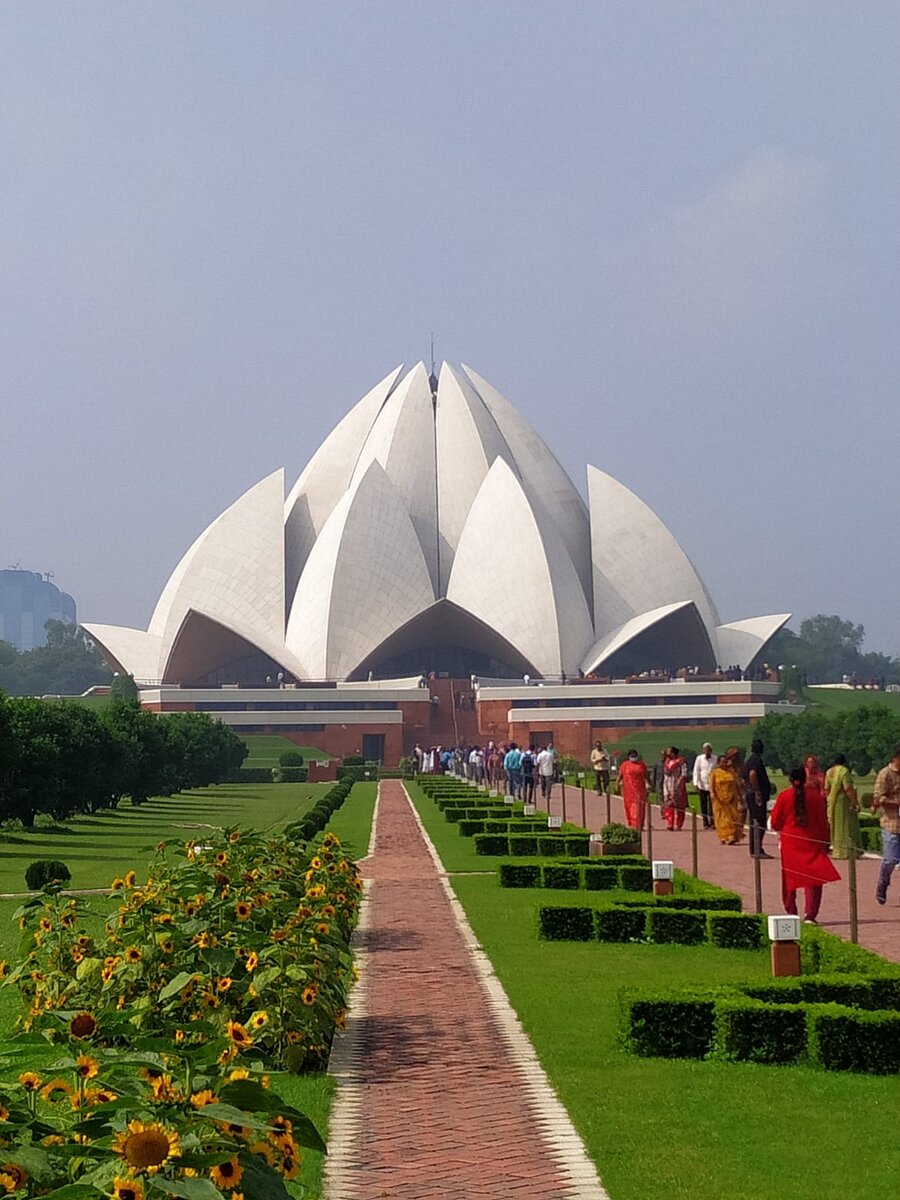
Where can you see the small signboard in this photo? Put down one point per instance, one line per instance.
(784, 928)
(528, 810)
(509, 799)
(554, 822)
(663, 870)
(493, 792)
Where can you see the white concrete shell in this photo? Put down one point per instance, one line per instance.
(740, 641)
(678, 623)
(526, 587)
(365, 577)
(129, 651)
(638, 564)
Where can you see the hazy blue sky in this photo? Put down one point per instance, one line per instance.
(667, 232)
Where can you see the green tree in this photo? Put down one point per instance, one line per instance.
(68, 665)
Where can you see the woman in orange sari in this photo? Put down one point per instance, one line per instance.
(815, 776)
(633, 788)
(726, 791)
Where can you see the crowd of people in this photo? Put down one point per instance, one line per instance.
(516, 770)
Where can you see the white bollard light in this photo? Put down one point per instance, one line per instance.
(554, 822)
(528, 810)
(785, 928)
(663, 869)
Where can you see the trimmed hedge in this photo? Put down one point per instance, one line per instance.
(734, 931)
(601, 878)
(251, 775)
(680, 927)
(749, 1031)
(469, 828)
(636, 878)
(561, 876)
(520, 875)
(290, 774)
(842, 1039)
(522, 845)
(491, 843)
(620, 924)
(668, 1026)
(560, 924)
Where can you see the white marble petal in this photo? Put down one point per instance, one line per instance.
(740, 641)
(326, 477)
(366, 576)
(522, 584)
(617, 639)
(234, 572)
(543, 476)
(638, 564)
(129, 650)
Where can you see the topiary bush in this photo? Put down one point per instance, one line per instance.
(469, 828)
(620, 924)
(749, 1031)
(683, 927)
(556, 875)
(519, 875)
(491, 843)
(523, 845)
(616, 834)
(668, 1026)
(578, 844)
(734, 931)
(602, 877)
(291, 758)
(842, 1039)
(636, 877)
(558, 924)
(289, 774)
(46, 871)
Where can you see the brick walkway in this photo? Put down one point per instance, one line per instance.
(431, 1102)
(732, 867)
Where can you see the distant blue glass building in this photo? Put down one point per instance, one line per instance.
(27, 602)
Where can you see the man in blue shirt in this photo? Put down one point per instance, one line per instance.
(512, 765)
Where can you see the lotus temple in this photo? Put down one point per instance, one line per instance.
(434, 575)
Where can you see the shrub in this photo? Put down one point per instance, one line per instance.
(578, 844)
(616, 834)
(620, 924)
(734, 931)
(46, 871)
(469, 828)
(602, 877)
(668, 1026)
(749, 1031)
(519, 875)
(845, 1040)
(491, 843)
(634, 877)
(291, 758)
(251, 775)
(353, 760)
(557, 875)
(523, 845)
(558, 924)
(825, 953)
(289, 774)
(494, 826)
(681, 927)
(552, 845)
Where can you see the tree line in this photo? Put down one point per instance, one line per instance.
(62, 758)
(68, 665)
(867, 736)
(826, 649)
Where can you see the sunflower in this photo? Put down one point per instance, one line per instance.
(238, 1034)
(201, 1099)
(264, 1150)
(227, 1174)
(30, 1081)
(290, 1163)
(4, 968)
(107, 973)
(191, 909)
(322, 927)
(55, 1090)
(77, 955)
(258, 1020)
(128, 1189)
(133, 954)
(146, 1147)
(252, 961)
(117, 885)
(167, 946)
(238, 1073)
(223, 984)
(18, 1175)
(105, 1096)
(243, 909)
(281, 1129)
(309, 993)
(234, 836)
(164, 919)
(221, 858)
(210, 1000)
(179, 1035)
(83, 1025)
(316, 864)
(86, 1067)
(45, 926)
(279, 935)
(4, 1113)
(129, 880)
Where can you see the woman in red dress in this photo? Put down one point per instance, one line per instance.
(815, 776)
(801, 817)
(633, 787)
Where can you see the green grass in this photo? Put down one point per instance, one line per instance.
(266, 749)
(691, 1131)
(841, 699)
(352, 822)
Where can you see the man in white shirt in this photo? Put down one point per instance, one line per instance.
(546, 767)
(703, 764)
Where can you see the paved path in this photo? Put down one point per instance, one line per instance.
(439, 1094)
(732, 867)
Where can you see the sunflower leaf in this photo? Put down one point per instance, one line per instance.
(178, 984)
(73, 1191)
(234, 1116)
(189, 1189)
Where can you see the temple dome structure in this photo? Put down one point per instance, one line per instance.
(433, 530)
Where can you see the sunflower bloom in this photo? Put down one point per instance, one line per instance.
(146, 1147)
(252, 961)
(227, 1174)
(238, 1034)
(55, 1089)
(14, 1174)
(309, 994)
(243, 909)
(223, 984)
(201, 1099)
(133, 954)
(30, 1081)
(258, 1020)
(128, 1189)
(83, 1025)
(129, 880)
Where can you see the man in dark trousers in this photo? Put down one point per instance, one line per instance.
(757, 790)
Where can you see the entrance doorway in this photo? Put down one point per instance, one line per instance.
(373, 747)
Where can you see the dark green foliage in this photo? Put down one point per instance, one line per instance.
(492, 826)
(681, 927)
(866, 734)
(620, 924)
(577, 844)
(353, 760)
(749, 1031)
(669, 1026)
(824, 953)
(601, 877)
(558, 924)
(251, 775)
(45, 871)
(123, 690)
(491, 843)
(319, 815)
(520, 875)
(289, 774)
(843, 1039)
(558, 876)
(291, 758)
(68, 665)
(636, 878)
(522, 845)
(469, 828)
(615, 834)
(734, 931)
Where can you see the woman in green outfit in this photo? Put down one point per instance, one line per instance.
(843, 807)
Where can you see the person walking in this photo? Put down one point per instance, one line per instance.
(886, 802)
(801, 818)
(600, 764)
(704, 764)
(843, 809)
(757, 790)
(726, 792)
(633, 788)
(815, 776)
(528, 767)
(512, 765)
(674, 789)
(546, 768)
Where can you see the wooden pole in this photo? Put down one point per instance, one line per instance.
(694, 870)
(564, 797)
(851, 889)
(583, 808)
(649, 829)
(757, 883)
(608, 808)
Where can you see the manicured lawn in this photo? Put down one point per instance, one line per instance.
(687, 1130)
(840, 699)
(266, 749)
